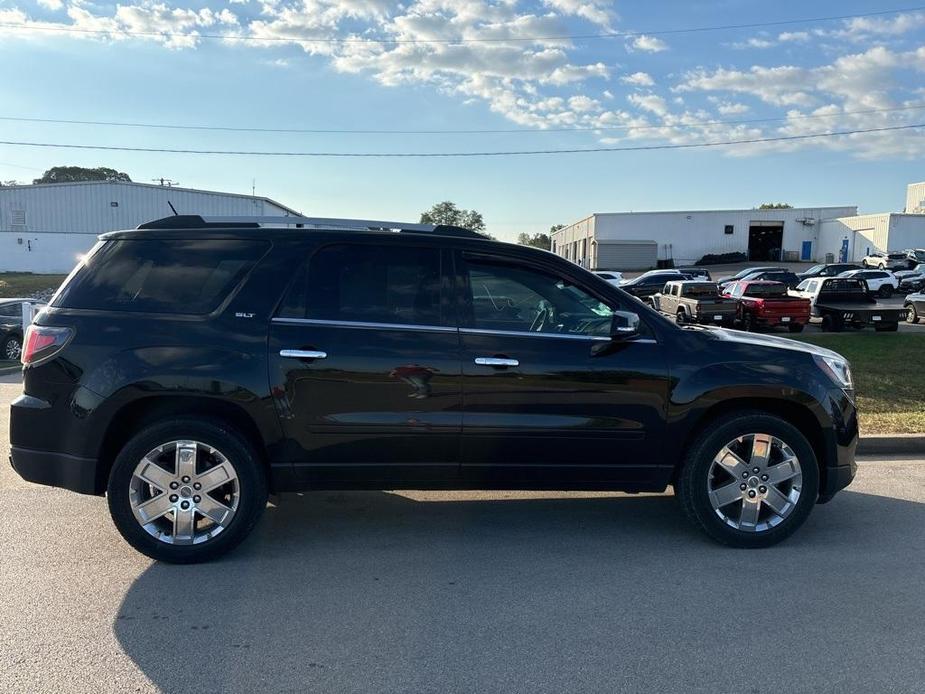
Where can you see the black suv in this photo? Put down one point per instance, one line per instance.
(190, 367)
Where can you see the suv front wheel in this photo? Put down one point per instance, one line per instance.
(186, 490)
(750, 480)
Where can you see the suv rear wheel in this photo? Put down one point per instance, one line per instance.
(186, 490)
(749, 480)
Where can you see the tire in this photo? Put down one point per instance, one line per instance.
(748, 323)
(912, 315)
(886, 291)
(864, 264)
(795, 327)
(700, 473)
(11, 348)
(887, 327)
(681, 317)
(881, 266)
(245, 496)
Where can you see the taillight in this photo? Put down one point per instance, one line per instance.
(42, 342)
(759, 304)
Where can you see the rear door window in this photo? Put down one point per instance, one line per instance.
(361, 283)
(181, 276)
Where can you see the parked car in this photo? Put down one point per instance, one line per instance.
(886, 261)
(611, 276)
(911, 280)
(189, 367)
(827, 270)
(11, 328)
(846, 302)
(692, 301)
(650, 282)
(697, 273)
(915, 256)
(777, 275)
(879, 282)
(741, 274)
(915, 307)
(765, 304)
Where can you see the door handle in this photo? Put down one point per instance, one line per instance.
(496, 361)
(303, 354)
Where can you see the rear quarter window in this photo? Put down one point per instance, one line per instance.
(188, 276)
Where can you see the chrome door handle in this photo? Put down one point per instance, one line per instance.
(303, 354)
(496, 361)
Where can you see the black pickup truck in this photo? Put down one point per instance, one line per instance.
(846, 302)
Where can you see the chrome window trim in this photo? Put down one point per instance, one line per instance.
(364, 325)
(444, 329)
(527, 333)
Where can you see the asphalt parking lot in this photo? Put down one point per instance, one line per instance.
(468, 592)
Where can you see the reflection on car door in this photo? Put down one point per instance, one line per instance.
(549, 400)
(364, 366)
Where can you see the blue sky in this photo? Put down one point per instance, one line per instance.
(631, 91)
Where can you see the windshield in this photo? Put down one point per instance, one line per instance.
(814, 269)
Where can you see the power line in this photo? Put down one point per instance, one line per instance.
(222, 128)
(395, 155)
(567, 37)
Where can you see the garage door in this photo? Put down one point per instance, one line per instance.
(626, 255)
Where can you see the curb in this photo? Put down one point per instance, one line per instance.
(892, 444)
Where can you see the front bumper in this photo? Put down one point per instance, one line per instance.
(841, 441)
(55, 469)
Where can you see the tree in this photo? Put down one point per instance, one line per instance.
(539, 240)
(775, 206)
(70, 174)
(555, 227)
(446, 212)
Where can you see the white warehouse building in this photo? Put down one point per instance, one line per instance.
(638, 240)
(45, 227)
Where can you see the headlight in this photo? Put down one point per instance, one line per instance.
(838, 369)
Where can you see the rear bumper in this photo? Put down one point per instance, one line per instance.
(55, 469)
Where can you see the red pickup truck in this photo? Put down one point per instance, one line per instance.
(762, 303)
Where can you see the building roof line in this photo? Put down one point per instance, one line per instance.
(778, 210)
(33, 186)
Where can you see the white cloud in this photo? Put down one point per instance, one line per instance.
(598, 12)
(755, 42)
(52, 5)
(647, 44)
(639, 79)
(794, 37)
(649, 102)
(728, 108)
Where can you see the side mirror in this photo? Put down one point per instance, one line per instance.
(624, 325)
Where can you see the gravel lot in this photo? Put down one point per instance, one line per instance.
(468, 592)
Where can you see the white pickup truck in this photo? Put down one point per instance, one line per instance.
(847, 302)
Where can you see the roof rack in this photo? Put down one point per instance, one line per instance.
(328, 223)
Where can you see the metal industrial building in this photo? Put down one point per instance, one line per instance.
(45, 227)
(639, 240)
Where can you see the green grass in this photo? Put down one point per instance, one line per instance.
(25, 284)
(889, 375)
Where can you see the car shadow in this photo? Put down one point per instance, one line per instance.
(373, 591)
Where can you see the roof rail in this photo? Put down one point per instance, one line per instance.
(328, 223)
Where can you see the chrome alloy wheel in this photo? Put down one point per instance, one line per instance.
(754, 482)
(12, 349)
(184, 492)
